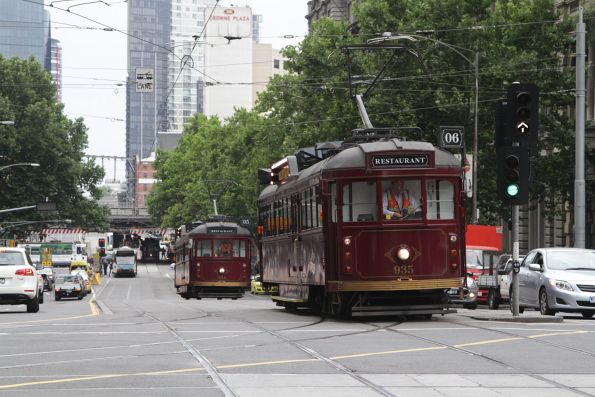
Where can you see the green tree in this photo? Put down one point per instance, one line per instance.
(429, 83)
(43, 134)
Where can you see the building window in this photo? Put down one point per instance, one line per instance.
(276, 63)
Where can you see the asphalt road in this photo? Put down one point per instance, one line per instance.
(136, 337)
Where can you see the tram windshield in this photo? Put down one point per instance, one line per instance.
(221, 248)
(401, 199)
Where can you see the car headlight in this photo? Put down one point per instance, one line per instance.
(561, 285)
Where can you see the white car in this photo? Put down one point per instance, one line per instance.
(19, 281)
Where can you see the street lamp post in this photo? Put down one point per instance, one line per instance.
(2, 168)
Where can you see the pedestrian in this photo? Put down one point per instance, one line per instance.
(111, 267)
(163, 252)
(104, 260)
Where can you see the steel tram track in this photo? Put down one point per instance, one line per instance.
(313, 353)
(491, 359)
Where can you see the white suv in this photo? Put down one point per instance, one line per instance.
(19, 282)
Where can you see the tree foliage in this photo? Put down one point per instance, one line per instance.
(429, 83)
(43, 134)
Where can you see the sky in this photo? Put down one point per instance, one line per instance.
(94, 60)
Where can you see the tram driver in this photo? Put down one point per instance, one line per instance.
(225, 249)
(399, 203)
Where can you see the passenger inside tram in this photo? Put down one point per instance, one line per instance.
(399, 203)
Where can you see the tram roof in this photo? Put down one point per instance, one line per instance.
(225, 228)
(354, 157)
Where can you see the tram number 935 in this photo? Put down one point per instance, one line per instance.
(403, 270)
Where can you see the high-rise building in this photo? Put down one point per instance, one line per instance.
(56, 67)
(149, 23)
(25, 31)
(186, 61)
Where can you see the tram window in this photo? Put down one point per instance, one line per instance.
(401, 199)
(440, 199)
(304, 208)
(318, 210)
(359, 202)
(239, 248)
(333, 202)
(203, 248)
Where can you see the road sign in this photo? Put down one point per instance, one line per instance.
(145, 80)
(452, 137)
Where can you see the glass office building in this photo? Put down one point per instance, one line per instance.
(25, 31)
(149, 23)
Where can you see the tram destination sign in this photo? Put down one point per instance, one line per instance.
(411, 160)
(222, 230)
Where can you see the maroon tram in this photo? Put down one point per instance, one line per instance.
(333, 237)
(213, 259)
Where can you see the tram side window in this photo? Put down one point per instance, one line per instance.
(333, 202)
(440, 199)
(359, 202)
(203, 248)
(305, 209)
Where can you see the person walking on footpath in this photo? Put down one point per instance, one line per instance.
(104, 266)
(111, 267)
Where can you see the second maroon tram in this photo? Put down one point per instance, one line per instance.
(373, 226)
(213, 259)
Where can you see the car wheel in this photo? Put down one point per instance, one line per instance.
(470, 306)
(33, 305)
(544, 308)
(493, 299)
(80, 297)
(588, 314)
(57, 297)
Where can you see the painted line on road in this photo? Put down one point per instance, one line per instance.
(134, 346)
(95, 377)
(380, 353)
(49, 319)
(299, 360)
(487, 342)
(559, 333)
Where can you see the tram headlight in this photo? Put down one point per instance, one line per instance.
(403, 254)
(453, 238)
(221, 270)
(347, 240)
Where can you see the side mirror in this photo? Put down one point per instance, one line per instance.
(535, 267)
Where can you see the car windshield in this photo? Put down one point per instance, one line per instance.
(571, 260)
(474, 259)
(11, 259)
(66, 279)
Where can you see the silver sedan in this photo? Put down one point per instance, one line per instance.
(558, 280)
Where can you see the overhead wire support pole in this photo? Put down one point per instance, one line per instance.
(579, 178)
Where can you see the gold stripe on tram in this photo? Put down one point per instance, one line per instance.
(219, 283)
(395, 285)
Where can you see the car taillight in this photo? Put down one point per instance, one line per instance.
(24, 272)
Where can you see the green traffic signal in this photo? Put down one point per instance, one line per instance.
(512, 190)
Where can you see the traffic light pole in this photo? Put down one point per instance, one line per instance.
(515, 258)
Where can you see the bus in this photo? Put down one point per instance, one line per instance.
(124, 262)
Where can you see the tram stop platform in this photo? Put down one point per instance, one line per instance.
(528, 316)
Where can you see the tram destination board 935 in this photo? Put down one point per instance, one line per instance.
(373, 227)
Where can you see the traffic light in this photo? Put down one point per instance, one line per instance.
(522, 121)
(513, 174)
(101, 251)
(102, 242)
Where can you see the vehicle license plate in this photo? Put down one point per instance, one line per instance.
(1, 281)
(591, 298)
